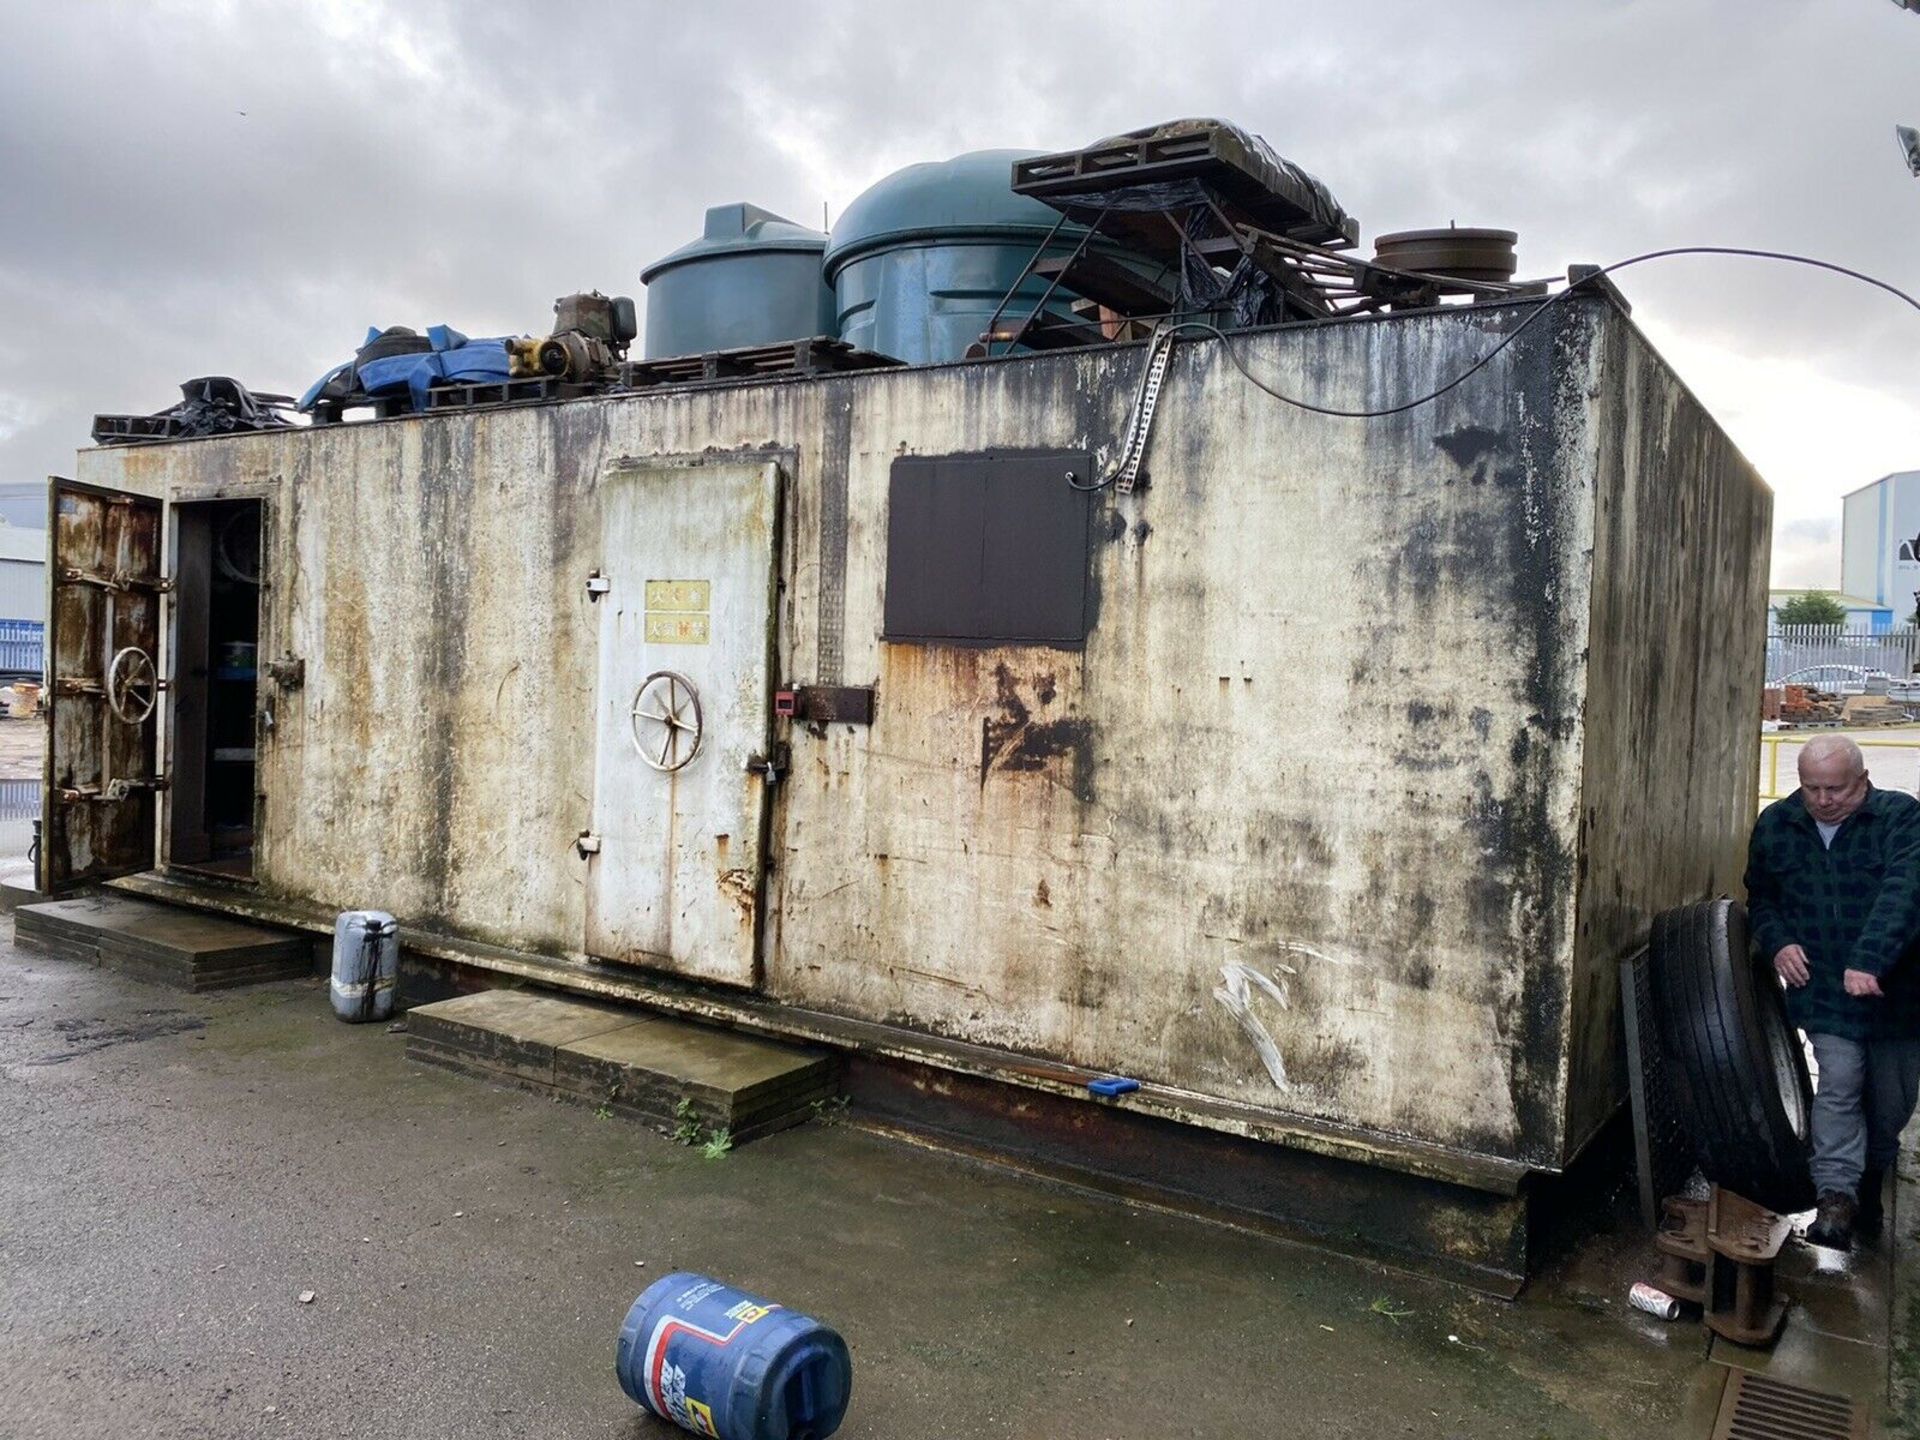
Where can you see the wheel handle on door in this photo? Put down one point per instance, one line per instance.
(666, 720)
(132, 685)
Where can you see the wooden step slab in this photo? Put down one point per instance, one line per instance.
(505, 1034)
(645, 1066)
(165, 944)
(733, 1082)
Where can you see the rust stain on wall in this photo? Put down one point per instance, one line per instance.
(1017, 740)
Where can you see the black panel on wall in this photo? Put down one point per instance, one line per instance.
(988, 549)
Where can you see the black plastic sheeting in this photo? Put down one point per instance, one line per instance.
(1247, 294)
(210, 405)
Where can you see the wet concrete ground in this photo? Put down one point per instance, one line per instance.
(175, 1170)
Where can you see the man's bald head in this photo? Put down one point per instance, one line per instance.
(1833, 778)
(1826, 750)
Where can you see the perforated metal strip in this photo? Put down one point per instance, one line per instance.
(835, 444)
(1140, 424)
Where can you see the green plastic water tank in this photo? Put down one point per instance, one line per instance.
(920, 261)
(753, 278)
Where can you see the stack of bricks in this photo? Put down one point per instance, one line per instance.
(1804, 705)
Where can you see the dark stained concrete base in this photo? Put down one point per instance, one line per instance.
(162, 943)
(654, 1069)
(1469, 1236)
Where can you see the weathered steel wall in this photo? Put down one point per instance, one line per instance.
(1676, 660)
(1239, 844)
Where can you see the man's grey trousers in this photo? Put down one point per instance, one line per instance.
(1864, 1099)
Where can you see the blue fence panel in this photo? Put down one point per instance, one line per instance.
(23, 646)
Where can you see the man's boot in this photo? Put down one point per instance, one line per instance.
(1833, 1221)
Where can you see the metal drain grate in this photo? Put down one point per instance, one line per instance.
(1756, 1408)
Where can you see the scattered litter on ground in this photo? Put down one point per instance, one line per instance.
(306, 1297)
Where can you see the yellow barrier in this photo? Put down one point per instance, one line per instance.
(1770, 756)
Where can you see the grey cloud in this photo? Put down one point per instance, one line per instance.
(431, 161)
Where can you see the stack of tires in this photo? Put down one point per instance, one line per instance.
(1734, 1056)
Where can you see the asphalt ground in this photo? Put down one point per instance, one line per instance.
(176, 1170)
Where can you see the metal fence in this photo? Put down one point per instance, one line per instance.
(1833, 657)
(22, 647)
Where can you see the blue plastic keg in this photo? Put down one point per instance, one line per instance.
(718, 1361)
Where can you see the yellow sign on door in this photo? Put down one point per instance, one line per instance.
(679, 612)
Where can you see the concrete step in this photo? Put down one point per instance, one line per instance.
(162, 943)
(644, 1066)
(17, 884)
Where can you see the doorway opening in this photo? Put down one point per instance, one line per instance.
(214, 802)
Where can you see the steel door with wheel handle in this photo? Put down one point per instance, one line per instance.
(685, 593)
(103, 659)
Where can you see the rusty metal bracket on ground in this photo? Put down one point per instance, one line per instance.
(1719, 1254)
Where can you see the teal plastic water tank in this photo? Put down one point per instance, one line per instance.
(753, 278)
(920, 261)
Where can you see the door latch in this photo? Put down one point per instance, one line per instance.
(124, 789)
(598, 584)
(769, 767)
(587, 844)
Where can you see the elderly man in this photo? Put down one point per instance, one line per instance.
(1833, 889)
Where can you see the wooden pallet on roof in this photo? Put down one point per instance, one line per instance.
(818, 354)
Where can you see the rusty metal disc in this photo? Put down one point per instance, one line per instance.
(1484, 256)
(133, 685)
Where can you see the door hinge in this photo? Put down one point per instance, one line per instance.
(118, 582)
(289, 672)
(112, 793)
(598, 584)
(587, 844)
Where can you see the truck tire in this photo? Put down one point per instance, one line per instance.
(1739, 1062)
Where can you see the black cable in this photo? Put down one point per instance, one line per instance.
(1520, 329)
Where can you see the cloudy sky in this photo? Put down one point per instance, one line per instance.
(243, 188)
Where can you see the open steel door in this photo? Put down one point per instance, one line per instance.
(684, 764)
(103, 685)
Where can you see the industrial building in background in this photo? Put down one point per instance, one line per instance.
(1880, 545)
(23, 602)
(940, 650)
